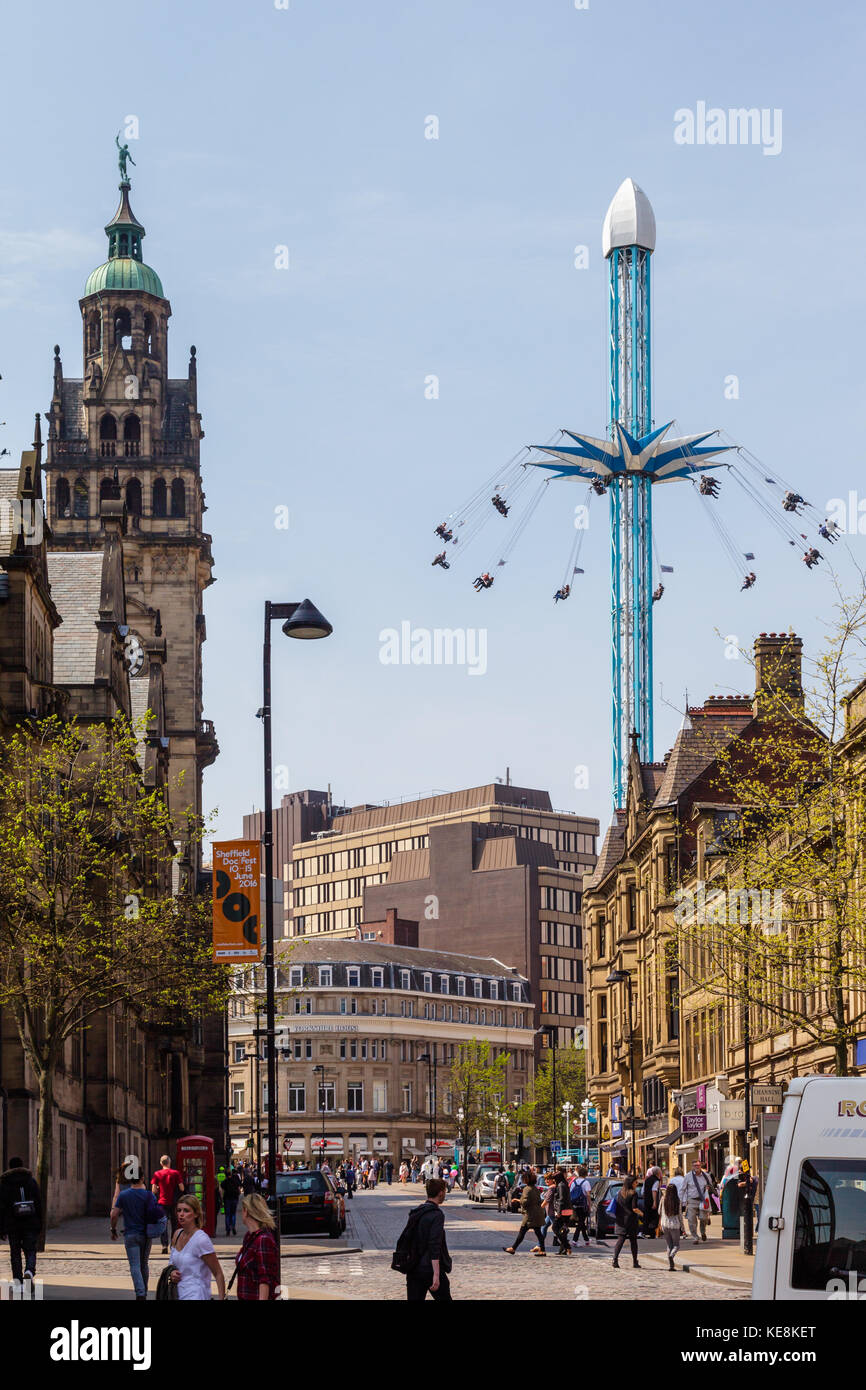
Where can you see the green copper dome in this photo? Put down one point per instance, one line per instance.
(124, 269)
(123, 273)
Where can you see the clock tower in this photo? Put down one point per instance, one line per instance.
(126, 424)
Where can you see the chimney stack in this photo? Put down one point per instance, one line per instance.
(778, 674)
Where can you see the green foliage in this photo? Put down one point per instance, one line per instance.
(475, 1080)
(88, 921)
(784, 940)
(537, 1116)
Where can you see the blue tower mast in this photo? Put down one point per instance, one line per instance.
(628, 463)
(628, 241)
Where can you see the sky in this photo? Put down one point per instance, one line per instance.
(431, 320)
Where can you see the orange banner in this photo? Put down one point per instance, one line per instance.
(237, 867)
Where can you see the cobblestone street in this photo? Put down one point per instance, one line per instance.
(476, 1235)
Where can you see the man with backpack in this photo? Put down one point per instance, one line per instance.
(500, 1189)
(422, 1251)
(580, 1189)
(20, 1218)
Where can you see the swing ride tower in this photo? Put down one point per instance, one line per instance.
(626, 465)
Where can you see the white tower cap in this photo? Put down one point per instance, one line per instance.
(629, 221)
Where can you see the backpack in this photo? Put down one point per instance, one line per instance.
(405, 1256)
(578, 1195)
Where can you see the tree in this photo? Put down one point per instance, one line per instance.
(87, 919)
(476, 1079)
(780, 933)
(537, 1116)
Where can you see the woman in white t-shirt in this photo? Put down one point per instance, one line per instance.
(193, 1258)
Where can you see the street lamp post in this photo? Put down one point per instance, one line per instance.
(304, 621)
(550, 1031)
(618, 977)
(566, 1110)
(464, 1140)
(426, 1057)
(321, 1068)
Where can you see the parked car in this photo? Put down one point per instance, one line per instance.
(310, 1202)
(601, 1223)
(482, 1182)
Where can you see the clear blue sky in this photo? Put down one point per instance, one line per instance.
(408, 257)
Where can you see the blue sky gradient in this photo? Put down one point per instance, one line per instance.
(262, 127)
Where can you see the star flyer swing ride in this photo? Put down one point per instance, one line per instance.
(626, 466)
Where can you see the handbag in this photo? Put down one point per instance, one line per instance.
(156, 1226)
(166, 1288)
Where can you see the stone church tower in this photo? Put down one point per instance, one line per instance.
(126, 423)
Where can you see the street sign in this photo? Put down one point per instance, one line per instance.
(694, 1124)
(637, 1122)
(766, 1095)
(555, 1146)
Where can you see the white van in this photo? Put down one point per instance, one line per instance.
(812, 1231)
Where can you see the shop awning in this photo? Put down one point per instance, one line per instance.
(663, 1141)
(695, 1141)
(620, 1145)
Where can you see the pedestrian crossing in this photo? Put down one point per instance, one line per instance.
(340, 1267)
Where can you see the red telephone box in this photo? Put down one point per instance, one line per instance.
(195, 1161)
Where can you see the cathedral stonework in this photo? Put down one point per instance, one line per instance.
(126, 424)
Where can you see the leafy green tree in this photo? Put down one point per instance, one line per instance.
(778, 936)
(538, 1116)
(476, 1079)
(88, 922)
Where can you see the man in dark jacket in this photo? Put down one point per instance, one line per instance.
(20, 1217)
(432, 1263)
(562, 1210)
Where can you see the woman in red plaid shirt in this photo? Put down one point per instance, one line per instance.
(258, 1268)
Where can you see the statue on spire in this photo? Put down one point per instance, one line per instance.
(122, 156)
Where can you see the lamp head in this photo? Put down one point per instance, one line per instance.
(307, 622)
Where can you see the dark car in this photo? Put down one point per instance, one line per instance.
(311, 1202)
(601, 1223)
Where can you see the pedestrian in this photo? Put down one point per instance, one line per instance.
(432, 1263)
(404, 1171)
(651, 1201)
(389, 1172)
(547, 1202)
(695, 1197)
(121, 1182)
(562, 1211)
(671, 1222)
(231, 1191)
(193, 1258)
(248, 1181)
(166, 1186)
(140, 1211)
(351, 1179)
(257, 1262)
(625, 1219)
(20, 1218)
(452, 1177)
(580, 1190)
(500, 1190)
(416, 1168)
(530, 1206)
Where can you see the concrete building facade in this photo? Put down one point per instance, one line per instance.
(356, 1021)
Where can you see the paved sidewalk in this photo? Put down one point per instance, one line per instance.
(720, 1260)
(89, 1238)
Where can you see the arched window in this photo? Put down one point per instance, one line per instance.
(178, 497)
(132, 436)
(124, 244)
(159, 497)
(81, 502)
(123, 328)
(107, 436)
(107, 489)
(61, 497)
(94, 332)
(149, 332)
(133, 497)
